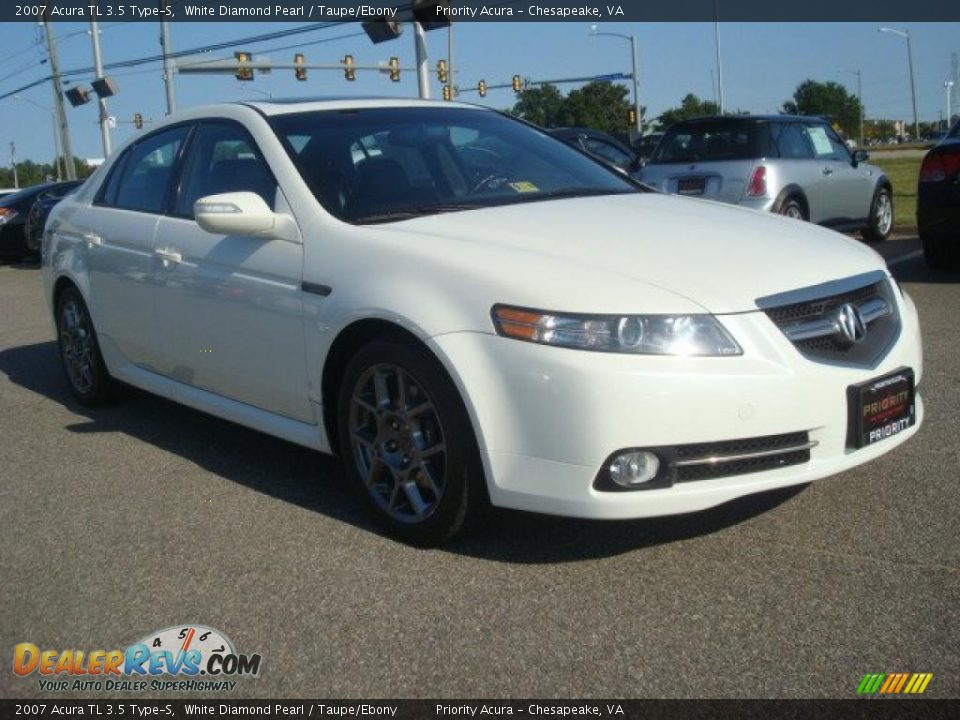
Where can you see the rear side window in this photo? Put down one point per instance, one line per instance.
(712, 141)
(791, 141)
(223, 158)
(147, 172)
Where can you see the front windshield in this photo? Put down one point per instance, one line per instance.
(384, 164)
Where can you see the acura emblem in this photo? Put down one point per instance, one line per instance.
(850, 324)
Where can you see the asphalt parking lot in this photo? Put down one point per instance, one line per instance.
(125, 520)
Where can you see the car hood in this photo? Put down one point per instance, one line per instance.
(721, 258)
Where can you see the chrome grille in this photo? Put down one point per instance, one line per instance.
(814, 319)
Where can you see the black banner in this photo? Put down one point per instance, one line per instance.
(594, 11)
(865, 709)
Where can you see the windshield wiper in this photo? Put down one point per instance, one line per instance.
(412, 212)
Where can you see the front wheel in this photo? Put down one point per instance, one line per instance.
(880, 222)
(407, 444)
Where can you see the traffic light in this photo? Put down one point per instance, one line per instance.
(447, 93)
(482, 88)
(442, 71)
(348, 72)
(243, 73)
(517, 83)
(78, 95)
(301, 72)
(631, 115)
(394, 66)
(138, 121)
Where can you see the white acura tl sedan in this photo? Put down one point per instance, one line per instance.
(470, 312)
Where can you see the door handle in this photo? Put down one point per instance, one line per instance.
(92, 240)
(168, 257)
(826, 171)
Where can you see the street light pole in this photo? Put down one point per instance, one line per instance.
(635, 62)
(168, 66)
(948, 85)
(56, 133)
(859, 75)
(913, 86)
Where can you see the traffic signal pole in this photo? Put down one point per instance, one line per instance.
(168, 66)
(101, 102)
(423, 72)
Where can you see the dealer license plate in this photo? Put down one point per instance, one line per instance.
(881, 408)
(691, 186)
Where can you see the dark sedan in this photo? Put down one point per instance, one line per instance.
(598, 144)
(938, 203)
(14, 210)
(37, 217)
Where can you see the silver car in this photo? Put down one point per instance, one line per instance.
(791, 165)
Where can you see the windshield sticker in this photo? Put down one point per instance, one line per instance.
(524, 186)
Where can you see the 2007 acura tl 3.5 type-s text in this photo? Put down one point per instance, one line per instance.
(470, 312)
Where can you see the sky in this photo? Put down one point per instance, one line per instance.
(762, 65)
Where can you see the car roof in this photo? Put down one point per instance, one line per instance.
(280, 106)
(752, 118)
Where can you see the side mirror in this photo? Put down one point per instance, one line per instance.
(860, 155)
(236, 213)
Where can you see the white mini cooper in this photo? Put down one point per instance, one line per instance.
(470, 312)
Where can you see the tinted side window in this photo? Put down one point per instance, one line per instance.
(149, 169)
(791, 141)
(108, 193)
(223, 158)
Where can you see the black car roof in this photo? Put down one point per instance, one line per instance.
(751, 118)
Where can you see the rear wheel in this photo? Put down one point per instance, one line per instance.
(80, 354)
(881, 217)
(407, 444)
(792, 208)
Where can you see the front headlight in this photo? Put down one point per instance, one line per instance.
(699, 335)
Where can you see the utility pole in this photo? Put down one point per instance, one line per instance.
(716, 32)
(69, 166)
(101, 102)
(423, 72)
(168, 67)
(948, 85)
(913, 86)
(450, 59)
(13, 164)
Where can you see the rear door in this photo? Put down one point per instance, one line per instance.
(229, 308)
(117, 235)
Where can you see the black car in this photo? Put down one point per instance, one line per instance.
(605, 148)
(13, 217)
(37, 217)
(938, 203)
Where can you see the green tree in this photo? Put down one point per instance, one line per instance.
(829, 100)
(33, 173)
(541, 106)
(598, 105)
(690, 107)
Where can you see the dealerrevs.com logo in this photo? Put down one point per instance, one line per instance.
(181, 658)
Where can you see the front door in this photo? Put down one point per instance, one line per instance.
(229, 309)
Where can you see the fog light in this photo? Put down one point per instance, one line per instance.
(634, 468)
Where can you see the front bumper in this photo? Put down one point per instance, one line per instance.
(547, 418)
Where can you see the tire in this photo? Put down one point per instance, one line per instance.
(792, 208)
(411, 455)
(83, 364)
(880, 223)
(941, 253)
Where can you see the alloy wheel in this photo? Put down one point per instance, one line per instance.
(398, 443)
(76, 345)
(884, 214)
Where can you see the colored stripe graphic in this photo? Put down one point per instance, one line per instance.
(894, 683)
